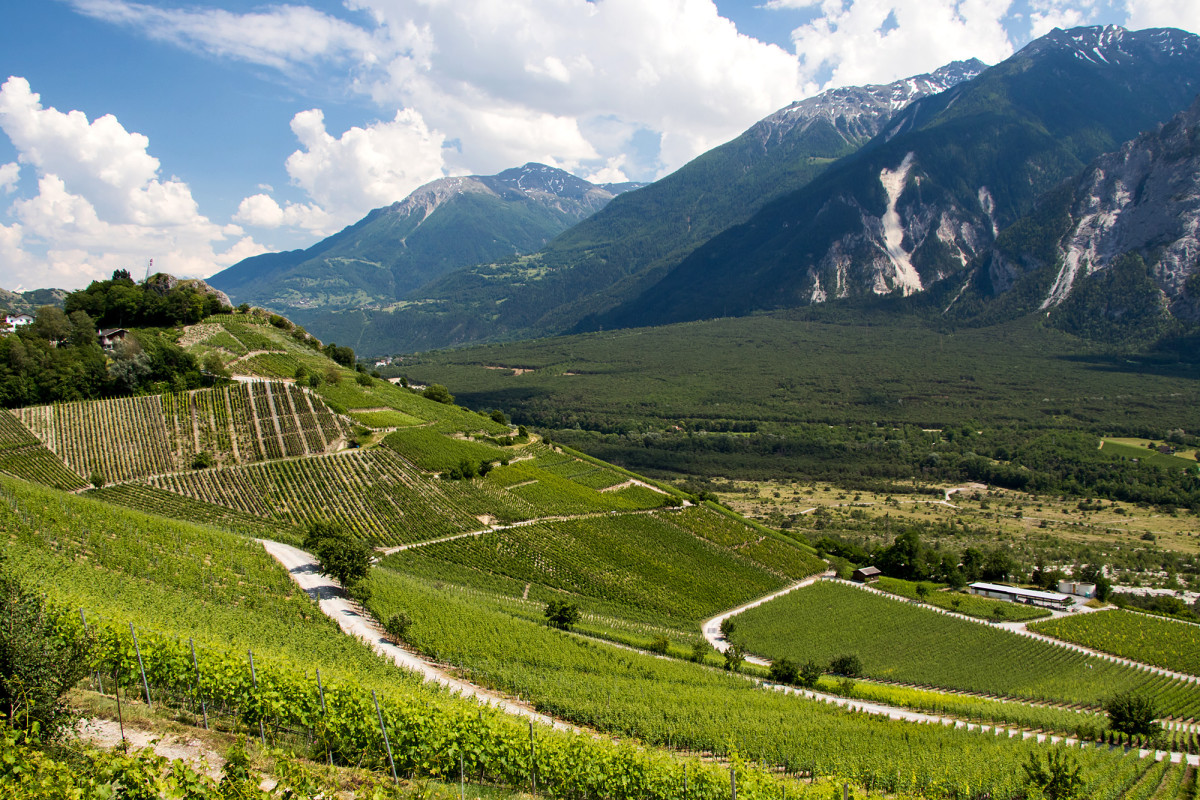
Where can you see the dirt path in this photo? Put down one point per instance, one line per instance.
(353, 621)
(522, 524)
(711, 628)
(107, 734)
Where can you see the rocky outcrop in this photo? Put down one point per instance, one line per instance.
(1143, 199)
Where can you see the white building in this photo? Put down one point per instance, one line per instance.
(1078, 589)
(17, 320)
(1015, 594)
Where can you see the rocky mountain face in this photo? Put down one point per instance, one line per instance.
(446, 224)
(930, 192)
(1143, 199)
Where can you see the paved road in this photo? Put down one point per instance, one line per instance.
(354, 621)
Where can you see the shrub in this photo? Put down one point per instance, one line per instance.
(785, 671)
(562, 614)
(438, 394)
(700, 650)
(728, 626)
(203, 460)
(362, 379)
(849, 665)
(38, 663)
(810, 673)
(735, 656)
(498, 416)
(397, 626)
(97, 478)
(1058, 779)
(659, 645)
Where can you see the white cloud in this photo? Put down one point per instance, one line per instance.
(261, 210)
(99, 202)
(363, 168)
(1163, 14)
(281, 36)
(877, 41)
(9, 174)
(511, 81)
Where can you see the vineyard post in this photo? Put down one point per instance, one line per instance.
(845, 791)
(262, 735)
(462, 778)
(386, 743)
(532, 761)
(733, 782)
(324, 714)
(685, 780)
(96, 674)
(120, 715)
(137, 649)
(196, 666)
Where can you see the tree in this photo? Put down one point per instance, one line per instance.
(51, 324)
(810, 673)
(562, 614)
(438, 394)
(1058, 779)
(997, 566)
(784, 670)
(39, 661)
(341, 557)
(700, 650)
(849, 665)
(203, 460)
(728, 626)
(735, 656)
(498, 416)
(1133, 713)
(214, 366)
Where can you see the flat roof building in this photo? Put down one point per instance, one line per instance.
(1015, 594)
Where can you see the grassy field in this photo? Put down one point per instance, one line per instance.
(1139, 542)
(1183, 458)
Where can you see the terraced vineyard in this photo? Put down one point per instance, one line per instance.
(129, 438)
(372, 493)
(555, 495)
(901, 642)
(22, 455)
(141, 497)
(1140, 637)
(648, 562)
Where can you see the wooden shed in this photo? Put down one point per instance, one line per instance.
(866, 575)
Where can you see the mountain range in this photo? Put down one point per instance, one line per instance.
(443, 225)
(949, 187)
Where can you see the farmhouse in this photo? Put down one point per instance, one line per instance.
(1014, 594)
(866, 575)
(17, 320)
(110, 336)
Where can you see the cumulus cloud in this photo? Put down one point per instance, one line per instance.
(868, 41)
(515, 80)
(363, 168)
(100, 204)
(9, 174)
(261, 210)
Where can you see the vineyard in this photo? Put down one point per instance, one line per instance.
(902, 642)
(22, 455)
(678, 704)
(1150, 640)
(643, 561)
(373, 494)
(141, 497)
(134, 437)
(437, 452)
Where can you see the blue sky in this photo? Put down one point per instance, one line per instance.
(198, 132)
